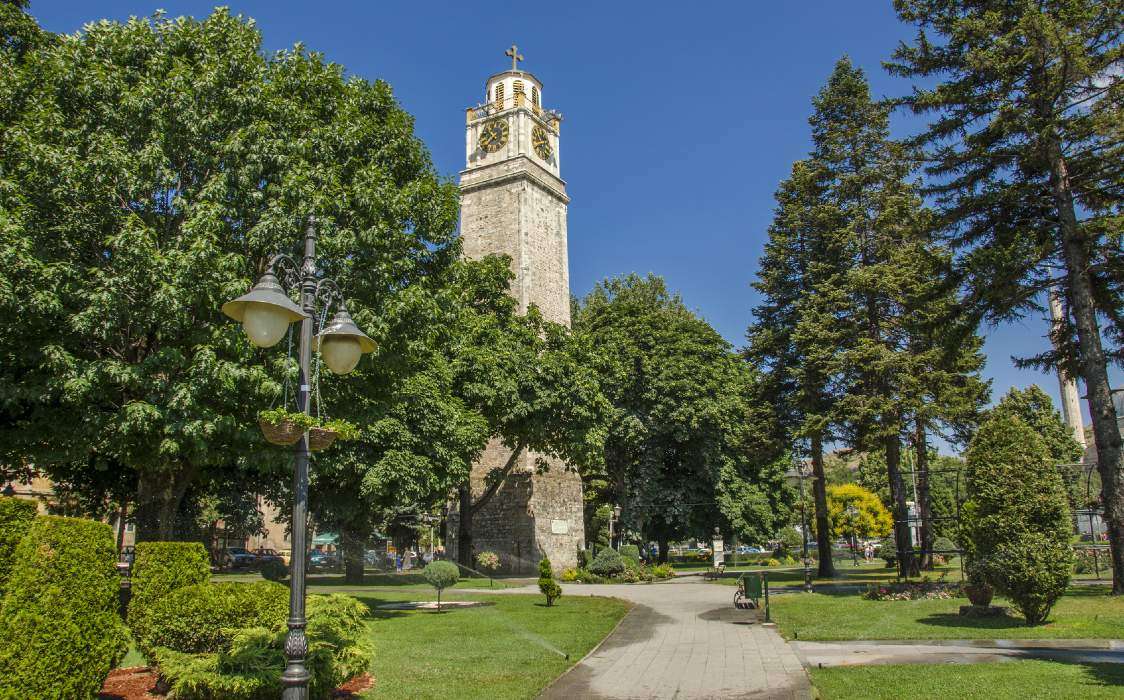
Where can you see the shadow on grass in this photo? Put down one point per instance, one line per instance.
(1003, 622)
(1107, 674)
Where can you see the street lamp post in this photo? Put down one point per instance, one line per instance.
(852, 513)
(265, 313)
(798, 472)
(614, 516)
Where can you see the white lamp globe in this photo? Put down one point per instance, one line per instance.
(340, 353)
(265, 324)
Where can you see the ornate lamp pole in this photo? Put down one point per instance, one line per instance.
(614, 517)
(265, 313)
(852, 514)
(797, 472)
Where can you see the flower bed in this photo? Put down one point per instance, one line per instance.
(923, 590)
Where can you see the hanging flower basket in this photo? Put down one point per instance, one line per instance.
(283, 433)
(280, 427)
(320, 438)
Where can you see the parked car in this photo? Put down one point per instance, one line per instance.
(321, 560)
(238, 558)
(264, 554)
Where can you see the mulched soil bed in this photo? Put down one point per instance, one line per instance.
(138, 682)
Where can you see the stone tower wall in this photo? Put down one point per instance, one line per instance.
(514, 204)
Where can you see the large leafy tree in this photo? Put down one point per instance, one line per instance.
(145, 177)
(690, 444)
(1025, 154)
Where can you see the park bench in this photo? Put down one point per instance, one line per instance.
(715, 572)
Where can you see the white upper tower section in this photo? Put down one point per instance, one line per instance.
(512, 123)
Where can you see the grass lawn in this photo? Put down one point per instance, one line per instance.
(507, 650)
(511, 649)
(1085, 612)
(1015, 680)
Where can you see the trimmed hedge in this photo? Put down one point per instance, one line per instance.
(273, 570)
(158, 569)
(201, 618)
(608, 562)
(16, 515)
(250, 666)
(60, 634)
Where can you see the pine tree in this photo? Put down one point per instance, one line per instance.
(912, 357)
(1028, 168)
(785, 340)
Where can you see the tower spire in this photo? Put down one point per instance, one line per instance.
(515, 56)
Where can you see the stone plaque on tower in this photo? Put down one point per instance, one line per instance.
(513, 202)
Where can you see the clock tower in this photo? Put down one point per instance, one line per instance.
(513, 202)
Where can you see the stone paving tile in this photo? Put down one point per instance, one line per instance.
(683, 640)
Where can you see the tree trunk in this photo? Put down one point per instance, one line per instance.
(464, 526)
(1091, 359)
(921, 467)
(826, 567)
(352, 546)
(906, 565)
(158, 503)
(664, 547)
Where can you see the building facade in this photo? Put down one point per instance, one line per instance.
(513, 202)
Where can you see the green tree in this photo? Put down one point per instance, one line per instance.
(910, 357)
(800, 258)
(547, 584)
(1025, 157)
(1035, 408)
(1016, 520)
(441, 575)
(690, 440)
(151, 169)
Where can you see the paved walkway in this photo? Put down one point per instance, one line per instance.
(683, 639)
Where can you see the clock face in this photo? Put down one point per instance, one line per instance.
(493, 135)
(541, 143)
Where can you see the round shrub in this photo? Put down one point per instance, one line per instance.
(608, 562)
(630, 553)
(15, 516)
(441, 575)
(944, 547)
(273, 570)
(200, 618)
(60, 634)
(158, 569)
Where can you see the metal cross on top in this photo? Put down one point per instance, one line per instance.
(515, 56)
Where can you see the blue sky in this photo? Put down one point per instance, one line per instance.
(680, 118)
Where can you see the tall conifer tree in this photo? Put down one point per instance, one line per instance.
(1028, 167)
(799, 257)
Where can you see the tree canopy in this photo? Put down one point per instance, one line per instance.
(147, 171)
(690, 441)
